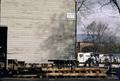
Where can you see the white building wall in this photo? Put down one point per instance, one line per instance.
(38, 29)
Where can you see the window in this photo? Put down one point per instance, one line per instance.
(81, 55)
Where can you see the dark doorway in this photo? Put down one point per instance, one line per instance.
(3, 45)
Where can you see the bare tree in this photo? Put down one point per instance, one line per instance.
(101, 36)
(115, 2)
(83, 4)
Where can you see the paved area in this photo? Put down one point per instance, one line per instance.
(35, 79)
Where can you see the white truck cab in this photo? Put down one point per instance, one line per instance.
(82, 57)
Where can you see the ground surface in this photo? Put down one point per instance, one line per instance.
(35, 79)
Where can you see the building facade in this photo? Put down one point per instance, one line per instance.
(39, 30)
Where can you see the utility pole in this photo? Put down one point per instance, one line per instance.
(75, 29)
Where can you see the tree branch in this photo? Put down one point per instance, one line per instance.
(116, 4)
(81, 4)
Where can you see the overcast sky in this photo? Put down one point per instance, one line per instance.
(107, 14)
